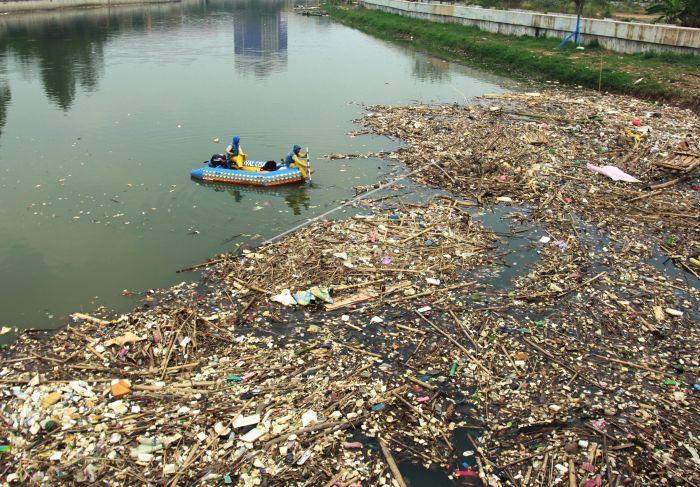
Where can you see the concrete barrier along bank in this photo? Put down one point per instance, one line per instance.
(627, 37)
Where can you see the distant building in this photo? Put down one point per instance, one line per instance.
(260, 39)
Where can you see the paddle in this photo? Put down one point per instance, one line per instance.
(308, 163)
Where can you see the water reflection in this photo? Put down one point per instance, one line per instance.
(66, 49)
(430, 69)
(260, 38)
(64, 54)
(295, 196)
(5, 97)
(299, 198)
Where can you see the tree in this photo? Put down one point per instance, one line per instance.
(683, 12)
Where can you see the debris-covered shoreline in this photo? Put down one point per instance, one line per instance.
(379, 350)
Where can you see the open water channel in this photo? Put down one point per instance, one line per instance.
(104, 112)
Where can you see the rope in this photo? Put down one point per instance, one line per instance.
(343, 205)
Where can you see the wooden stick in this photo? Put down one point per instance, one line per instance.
(351, 478)
(387, 269)
(92, 319)
(542, 468)
(480, 450)
(415, 235)
(408, 328)
(463, 328)
(392, 463)
(512, 363)
(567, 367)
(166, 360)
(421, 383)
(94, 350)
(314, 427)
(359, 284)
(572, 474)
(250, 286)
(670, 183)
(195, 452)
(583, 284)
(432, 291)
(350, 325)
(414, 351)
(422, 455)
(360, 350)
(425, 417)
(645, 195)
(55, 381)
(625, 362)
(331, 482)
(520, 460)
(50, 359)
(199, 266)
(459, 345)
(445, 173)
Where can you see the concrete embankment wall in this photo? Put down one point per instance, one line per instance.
(628, 37)
(8, 6)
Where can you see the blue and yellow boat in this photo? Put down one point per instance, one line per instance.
(251, 175)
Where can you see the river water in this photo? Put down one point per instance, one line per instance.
(104, 112)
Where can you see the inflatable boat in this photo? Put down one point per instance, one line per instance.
(279, 177)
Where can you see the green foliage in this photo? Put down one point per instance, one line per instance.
(683, 12)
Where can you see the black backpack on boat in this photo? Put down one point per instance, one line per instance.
(270, 166)
(218, 160)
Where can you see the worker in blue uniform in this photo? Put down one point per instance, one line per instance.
(299, 160)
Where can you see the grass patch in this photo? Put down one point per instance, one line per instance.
(592, 8)
(666, 77)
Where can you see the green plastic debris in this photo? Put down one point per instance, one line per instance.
(539, 323)
(453, 369)
(228, 479)
(322, 294)
(50, 425)
(671, 382)
(5, 448)
(303, 298)
(234, 378)
(303, 350)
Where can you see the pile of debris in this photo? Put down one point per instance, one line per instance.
(612, 160)
(310, 11)
(191, 389)
(381, 350)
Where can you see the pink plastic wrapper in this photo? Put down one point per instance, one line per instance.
(465, 473)
(352, 445)
(614, 173)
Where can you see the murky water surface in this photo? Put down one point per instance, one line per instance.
(104, 112)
